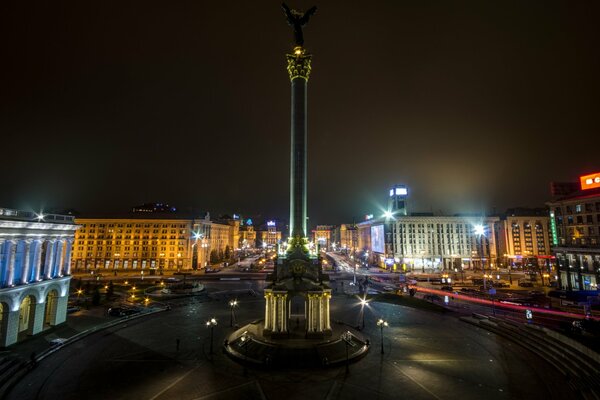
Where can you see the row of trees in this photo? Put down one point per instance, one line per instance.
(217, 256)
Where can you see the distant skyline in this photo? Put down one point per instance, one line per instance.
(473, 105)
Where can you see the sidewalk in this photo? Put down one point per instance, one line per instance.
(76, 323)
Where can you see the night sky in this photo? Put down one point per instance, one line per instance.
(475, 105)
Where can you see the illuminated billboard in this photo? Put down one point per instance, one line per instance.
(401, 191)
(590, 181)
(377, 239)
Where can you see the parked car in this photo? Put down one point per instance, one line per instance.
(525, 284)
(432, 297)
(72, 309)
(115, 312)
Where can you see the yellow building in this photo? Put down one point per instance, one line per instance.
(322, 236)
(523, 239)
(247, 237)
(348, 237)
(147, 243)
(271, 237)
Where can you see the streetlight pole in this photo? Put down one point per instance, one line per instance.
(382, 324)
(211, 324)
(347, 338)
(232, 304)
(363, 303)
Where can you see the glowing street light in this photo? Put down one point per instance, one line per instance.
(232, 305)
(347, 338)
(211, 323)
(244, 342)
(381, 323)
(363, 303)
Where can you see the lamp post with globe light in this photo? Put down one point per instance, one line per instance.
(211, 323)
(479, 230)
(363, 303)
(381, 323)
(232, 305)
(347, 338)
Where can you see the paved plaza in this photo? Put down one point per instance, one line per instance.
(427, 356)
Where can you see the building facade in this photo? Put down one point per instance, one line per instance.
(152, 243)
(35, 269)
(428, 243)
(524, 241)
(270, 237)
(444, 242)
(575, 226)
(323, 237)
(346, 237)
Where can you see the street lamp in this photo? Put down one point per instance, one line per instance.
(363, 303)
(347, 338)
(381, 323)
(479, 230)
(232, 305)
(211, 323)
(244, 342)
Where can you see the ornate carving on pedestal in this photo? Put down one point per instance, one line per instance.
(298, 64)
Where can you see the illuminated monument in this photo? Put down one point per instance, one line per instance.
(288, 336)
(298, 272)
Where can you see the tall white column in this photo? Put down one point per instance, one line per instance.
(26, 262)
(66, 266)
(49, 259)
(12, 254)
(58, 258)
(37, 259)
(2, 260)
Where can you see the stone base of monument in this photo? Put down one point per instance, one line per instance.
(296, 349)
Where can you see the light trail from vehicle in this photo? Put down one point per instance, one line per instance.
(500, 304)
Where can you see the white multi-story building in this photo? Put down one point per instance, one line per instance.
(439, 242)
(35, 269)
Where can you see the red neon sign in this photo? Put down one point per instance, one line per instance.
(590, 181)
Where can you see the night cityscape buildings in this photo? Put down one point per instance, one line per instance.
(441, 124)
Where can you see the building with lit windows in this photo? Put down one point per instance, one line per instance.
(35, 272)
(346, 237)
(575, 226)
(247, 235)
(322, 236)
(444, 242)
(151, 242)
(427, 243)
(269, 237)
(524, 239)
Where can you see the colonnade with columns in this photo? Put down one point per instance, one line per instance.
(317, 313)
(277, 312)
(25, 261)
(35, 272)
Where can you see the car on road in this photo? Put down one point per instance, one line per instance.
(447, 289)
(72, 309)
(388, 288)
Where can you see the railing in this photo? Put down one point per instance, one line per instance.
(7, 213)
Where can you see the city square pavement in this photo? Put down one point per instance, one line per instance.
(427, 356)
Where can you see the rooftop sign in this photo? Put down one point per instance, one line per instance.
(590, 181)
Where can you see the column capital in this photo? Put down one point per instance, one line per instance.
(299, 63)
